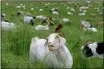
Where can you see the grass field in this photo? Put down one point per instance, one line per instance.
(16, 44)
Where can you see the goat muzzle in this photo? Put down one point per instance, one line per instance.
(51, 47)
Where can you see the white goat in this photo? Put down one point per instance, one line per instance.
(21, 6)
(86, 26)
(32, 9)
(83, 8)
(7, 26)
(41, 27)
(72, 9)
(7, 4)
(65, 20)
(68, 8)
(18, 7)
(82, 14)
(41, 17)
(69, 13)
(40, 9)
(52, 51)
(3, 16)
(29, 19)
(55, 13)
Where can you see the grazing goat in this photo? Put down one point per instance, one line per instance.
(68, 8)
(54, 11)
(86, 26)
(72, 9)
(3, 16)
(40, 9)
(41, 17)
(19, 13)
(41, 27)
(7, 26)
(32, 9)
(6, 4)
(21, 6)
(95, 49)
(82, 14)
(69, 13)
(52, 51)
(66, 20)
(83, 8)
(29, 19)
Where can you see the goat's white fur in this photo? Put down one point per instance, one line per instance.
(41, 17)
(58, 58)
(7, 26)
(65, 20)
(55, 13)
(27, 19)
(40, 9)
(41, 27)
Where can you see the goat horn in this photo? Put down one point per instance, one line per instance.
(58, 28)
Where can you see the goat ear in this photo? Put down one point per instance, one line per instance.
(61, 34)
(46, 42)
(62, 41)
(58, 28)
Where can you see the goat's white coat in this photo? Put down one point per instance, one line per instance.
(59, 58)
(81, 9)
(27, 19)
(21, 6)
(92, 29)
(40, 9)
(18, 7)
(4, 14)
(93, 47)
(32, 9)
(7, 26)
(55, 13)
(69, 13)
(41, 27)
(65, 20)
(7, 4)
(21, 12)
(72, 9)
(41, 17)
(68, 8)
(85, 23)
(82, 14)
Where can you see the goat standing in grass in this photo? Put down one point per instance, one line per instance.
(93, 49)
(29, 19)
(48, 21)
(52, 51)
(86, 26)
